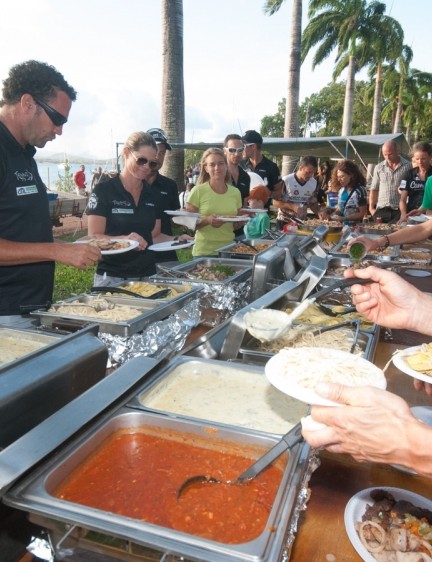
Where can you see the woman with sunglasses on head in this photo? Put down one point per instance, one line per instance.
(212, 198)
(125, 207)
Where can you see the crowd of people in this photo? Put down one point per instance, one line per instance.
(35, 105)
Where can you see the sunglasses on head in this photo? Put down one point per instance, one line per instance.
(238, 150)
(141, 161)
(57, 118)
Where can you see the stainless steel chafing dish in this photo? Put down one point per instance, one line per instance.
(233, 250)
(38, 383)
(33, 491)
(242, 271)
(185, 290)
(148, 311)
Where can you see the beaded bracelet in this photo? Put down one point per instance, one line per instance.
(386, 244)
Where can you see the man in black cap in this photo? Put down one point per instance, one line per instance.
(165, 188)
(256, 162)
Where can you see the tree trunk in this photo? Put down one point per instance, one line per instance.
(349, 97)
(291, 128)
(397, 127)
(376, 115)
(173, 103)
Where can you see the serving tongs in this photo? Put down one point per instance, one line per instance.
(287, 442)
(158, 295)
(175, 274)
(356, 323)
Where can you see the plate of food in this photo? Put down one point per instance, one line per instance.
(296, 372)
(171, 245)
(415, 361)
(249, 210)
(110, 246)
(370, 513)
(233, 218)
(182, 213)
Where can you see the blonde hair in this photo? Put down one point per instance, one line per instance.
(204, 175)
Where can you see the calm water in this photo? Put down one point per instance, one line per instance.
(49, 171)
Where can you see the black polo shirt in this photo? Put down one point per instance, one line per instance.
(268, 170)
(24, 217)
(112, 201)
(242, 184)
(415, 187)
(168, 198)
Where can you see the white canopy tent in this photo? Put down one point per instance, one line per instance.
(364, 149)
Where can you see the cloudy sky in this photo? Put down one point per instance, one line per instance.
(235, 63)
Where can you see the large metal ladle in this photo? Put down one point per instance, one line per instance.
(268, 324)
(288, 441)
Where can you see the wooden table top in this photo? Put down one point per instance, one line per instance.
(321, 532)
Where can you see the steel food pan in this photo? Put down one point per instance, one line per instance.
(148, 311)
(18, 344)
(220, 392)
(250, 350)
(35, 492)
(378, 230)
(234, 250)
(242, 270)
(184, 289)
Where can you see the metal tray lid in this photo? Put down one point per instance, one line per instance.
(27, 451)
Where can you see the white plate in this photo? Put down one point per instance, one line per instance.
(286, 369)
(400, 363)
(417, 273)
(132, 244)
(420, 218)
(254, 210)
(356, 507)
(168, 246)
(234, 219)
(181, 213)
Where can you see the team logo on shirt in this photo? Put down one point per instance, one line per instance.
(24, 176)
(26, 190)
(92, 202)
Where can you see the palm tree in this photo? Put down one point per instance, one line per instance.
(291, 127)
(348, 26)
(173, 101)
(404, 67)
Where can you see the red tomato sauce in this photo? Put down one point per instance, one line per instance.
(137, 475)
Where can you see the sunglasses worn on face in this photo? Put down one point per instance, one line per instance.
(141, 161)
(238, 150)
(57, 118)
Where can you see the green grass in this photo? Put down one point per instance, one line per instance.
(70, 281)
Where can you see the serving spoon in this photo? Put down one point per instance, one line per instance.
(268, 324)
(158, 295)
(288, 441)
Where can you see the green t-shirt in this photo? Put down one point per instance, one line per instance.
(208, 238)
(427, 195)
(257, 226)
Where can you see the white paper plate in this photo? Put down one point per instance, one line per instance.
(400, 363)
(131, 245)
(417, 273)
(234, 219)
(181, 213)
(286, 369)
(168, 246)
(356, 507)
(254, 210)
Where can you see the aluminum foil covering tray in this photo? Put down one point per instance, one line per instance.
(222, 392)
(35, 493)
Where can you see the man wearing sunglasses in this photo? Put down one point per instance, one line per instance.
(165, 189)
(35, 104)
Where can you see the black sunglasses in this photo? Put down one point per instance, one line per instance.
(57, 118)
(152, 164)
(238, 150)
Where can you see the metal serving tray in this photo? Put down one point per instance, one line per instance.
(249, 351)
(229, 250)
(187, 292)
(230, 394)
(148, 311)
(34, 492)
(242, 270)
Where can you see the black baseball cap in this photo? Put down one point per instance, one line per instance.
(252, 137)
(159, 137)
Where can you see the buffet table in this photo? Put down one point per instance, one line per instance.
(321, 535)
